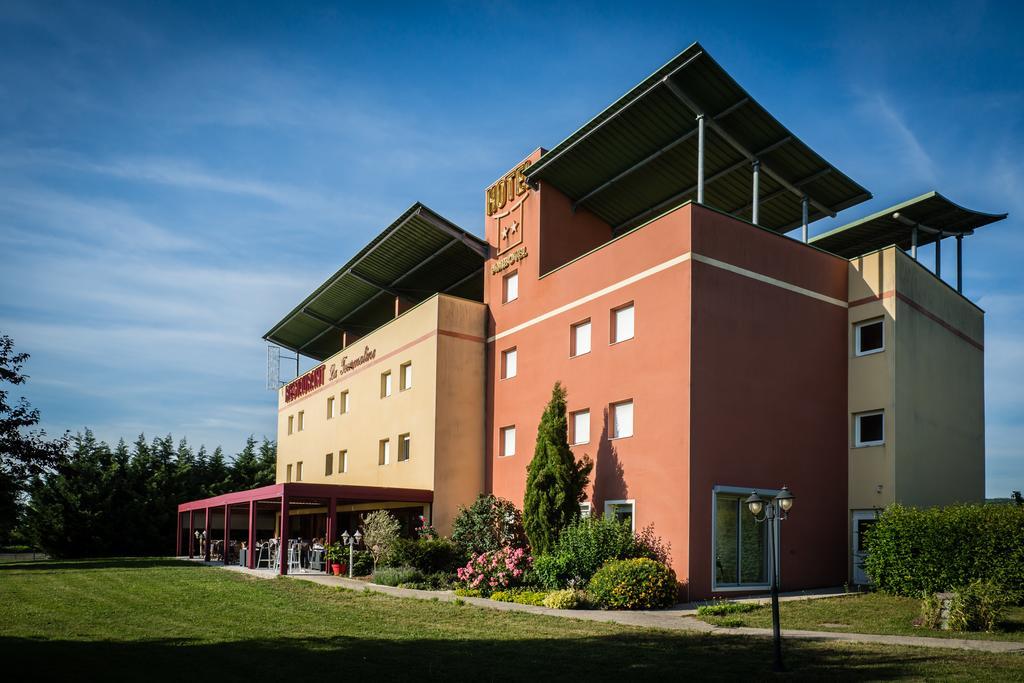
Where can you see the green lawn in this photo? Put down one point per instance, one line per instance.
(868, 613)
(147, 620)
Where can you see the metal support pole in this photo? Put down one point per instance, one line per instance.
(177, 542)
(227, 533)
(250, 553)
(700, 159)
(754, 201)
(191, 532)
(351, 554)
(960, 264)
(776, 629)
(938, 256)
(913, 243)
(332, 514)
(283, 548)
(803, 217)
(209, 536)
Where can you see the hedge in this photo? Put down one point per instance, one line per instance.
(913, 552)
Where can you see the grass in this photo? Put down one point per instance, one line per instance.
(167, 620)
(868, 613)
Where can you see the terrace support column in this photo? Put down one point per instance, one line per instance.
(227, 533)
(803, 216)
(700, 159)
(959, 264)
(177, 541)
(332, 513)
(250, 553)
(938, 256)
(283, 554)
(191, 532)
(913, 243)
(209, 536)
(754, 208)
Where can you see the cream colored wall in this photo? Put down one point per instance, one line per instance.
(871, 379)
(939, 391)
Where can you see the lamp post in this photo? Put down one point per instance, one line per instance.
(351, 541)
(770, 511)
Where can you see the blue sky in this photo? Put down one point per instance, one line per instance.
(174, 177)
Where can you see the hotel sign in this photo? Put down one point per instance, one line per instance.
(506, 262)
(314, 379)
(508, 189)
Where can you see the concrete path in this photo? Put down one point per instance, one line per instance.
(678, 618)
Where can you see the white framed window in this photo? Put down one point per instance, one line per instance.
(302, 420)
(330, 407)
(622, 323)
(581, 427)
(385, 384)
(291, 424)
(509, 363)
(510, 287)
(621, 511)
(405, 376)
(579, 339)
(384, 452)
(329, 464)
(585, 509)
(869, 337)
(508, 441)
(343, 399)
(404, 445)
(298, 471)
(739, 542)
(342, 462)
(869, 429)
(288, 473)
(622, 419)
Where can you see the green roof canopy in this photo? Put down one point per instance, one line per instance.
(417, 256)
(638, 158)
(930, 213)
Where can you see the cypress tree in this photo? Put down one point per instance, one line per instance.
(555, 482)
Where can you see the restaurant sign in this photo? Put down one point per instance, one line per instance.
(314, 379)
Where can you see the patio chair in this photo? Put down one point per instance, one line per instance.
(265, 555)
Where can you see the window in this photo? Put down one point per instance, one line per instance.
(622, 324)
(329, 464)
(342, 462)
(385, 384)
(508, 441)
(403, 447)
(298, 471)
(741, 548)
(511, 287)
(509, 363)
(343, 408)
(288, 475)
(291, 423)
(869, 337)
(869, 429)
(622, 420)
(330, 407)
(581, 427)
(585, 509)
(579, 339)
(384, 452)
(302, 420)
(405, 376)
(621, 511)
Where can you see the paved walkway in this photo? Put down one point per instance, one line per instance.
(678, 618)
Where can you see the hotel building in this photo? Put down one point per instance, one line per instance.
(643, 262)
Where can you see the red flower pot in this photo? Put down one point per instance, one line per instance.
(336, 568)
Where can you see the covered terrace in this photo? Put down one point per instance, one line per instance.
(244, 527)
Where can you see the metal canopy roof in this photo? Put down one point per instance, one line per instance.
(638, 158)
(930, 213)
(417, 256)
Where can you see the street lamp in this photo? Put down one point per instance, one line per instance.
(351, 542)
(769, 511)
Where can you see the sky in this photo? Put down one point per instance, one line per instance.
(175, 177)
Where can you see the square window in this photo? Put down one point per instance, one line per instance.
(622, 419)
(508, 441)
(622, 323)
(581, 427)
(510, 285)
(621, 511)
(302, 420)
(509, 363)
(291, 423)
(288, 475)
(869, 429)
(579, 341)
(869, 337)
(343, 408)
(403, 447)
(342, 462)
(385, 384)
(329, 464)
(298, 471)
(330, 407)
(384, 452)
(405, 376)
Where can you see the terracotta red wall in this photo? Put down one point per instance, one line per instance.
(769, 394)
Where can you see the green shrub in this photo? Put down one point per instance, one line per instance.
(549, 571)
(931, 612)
(977, 606)
(521, 596)
(392, 576)
(469, 592)
(719, 609)
(566, 599)
(912, 552)
(362, 563)
(429, 555)
(489, 524)
(730, 622)
(638, 583)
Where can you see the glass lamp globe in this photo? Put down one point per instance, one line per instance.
(755, 504)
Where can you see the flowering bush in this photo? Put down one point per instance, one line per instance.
(496, 569)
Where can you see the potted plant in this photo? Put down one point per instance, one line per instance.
(335, 554)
